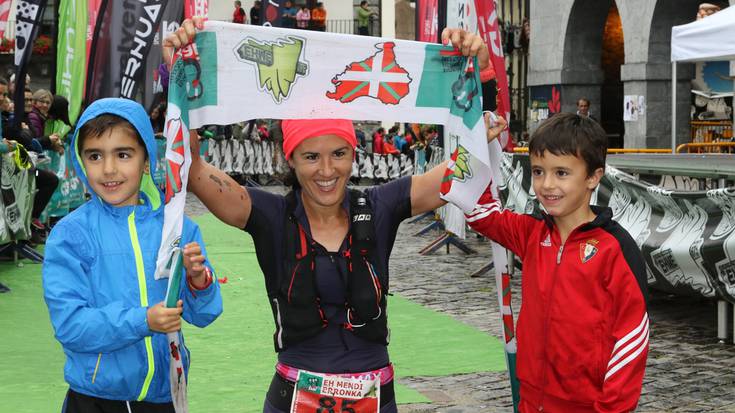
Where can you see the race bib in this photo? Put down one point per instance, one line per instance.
(325, 393)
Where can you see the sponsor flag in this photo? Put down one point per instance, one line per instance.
(124, 34)
(71, 54)
(28, 19)
(487, 23)
(196, 8)
(427, 12)
(4, 14)
(93, 8)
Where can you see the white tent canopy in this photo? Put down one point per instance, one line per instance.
(712, 38)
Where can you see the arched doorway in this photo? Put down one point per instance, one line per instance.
(593, 53)
(611, 96)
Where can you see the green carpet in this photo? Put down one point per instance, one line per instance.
(232, 359)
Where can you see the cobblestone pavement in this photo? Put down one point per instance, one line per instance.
(688, 370)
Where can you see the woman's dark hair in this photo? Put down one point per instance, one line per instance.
(290, 180)
(98, 126)
(59, 109)
(571, 134)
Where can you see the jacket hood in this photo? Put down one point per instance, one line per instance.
(134, 113)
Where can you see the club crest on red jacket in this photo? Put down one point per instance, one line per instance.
(587, 250)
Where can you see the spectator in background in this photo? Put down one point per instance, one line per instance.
(389, 148)
(583, 108)
(378, 141)
(255, 13)
(707, 9)
(303, 17)
(288, 18)
(59, 110)
(157, 116)
(11, 84)
(409, 137)
(42, 99)
(263, 132)
(28, 101)
(238, 16)
(396, 138)
(363, 18)
(360, 138)
(319, 18)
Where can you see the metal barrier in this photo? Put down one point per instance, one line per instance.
(711, 131)
(349, 26)
(718, 145)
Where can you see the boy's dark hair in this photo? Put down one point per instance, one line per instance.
(96, 127)
(571, 134)
(3, 81)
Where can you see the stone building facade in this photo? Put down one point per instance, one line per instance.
(606, 49)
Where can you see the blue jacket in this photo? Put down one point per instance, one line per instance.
(98, 281)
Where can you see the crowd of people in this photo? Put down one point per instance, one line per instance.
(36, 133)
(300, 16)
(292, 16)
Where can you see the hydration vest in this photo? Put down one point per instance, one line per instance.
(294, 298)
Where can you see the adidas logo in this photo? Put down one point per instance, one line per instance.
(547, 241)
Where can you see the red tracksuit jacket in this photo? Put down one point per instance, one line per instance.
(582, 332)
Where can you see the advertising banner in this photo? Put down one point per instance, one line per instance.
(196, 8)
(71, 54)
(487, 23)
(153, 86)
(28, 19)
(427, 12)
(124, 35)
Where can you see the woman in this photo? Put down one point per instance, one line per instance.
(42, 100)
(326, 279)
(303, 16)
(157, 116)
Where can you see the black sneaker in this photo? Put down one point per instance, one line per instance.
(37, 237)
(4, 288)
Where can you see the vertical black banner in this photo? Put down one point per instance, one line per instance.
(124, 35)
(153, 89)
(28, 20)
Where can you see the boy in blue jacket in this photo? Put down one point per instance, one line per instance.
(106, 307)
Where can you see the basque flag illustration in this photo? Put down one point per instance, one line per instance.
(379, 76)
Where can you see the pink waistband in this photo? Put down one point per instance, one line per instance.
(386, 373)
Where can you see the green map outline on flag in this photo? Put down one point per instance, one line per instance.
(461, 170)
(278, 63)
(363, 84)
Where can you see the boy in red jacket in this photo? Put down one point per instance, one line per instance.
(582, 331)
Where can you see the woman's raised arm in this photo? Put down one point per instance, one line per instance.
(425, 188)
(221, 194)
